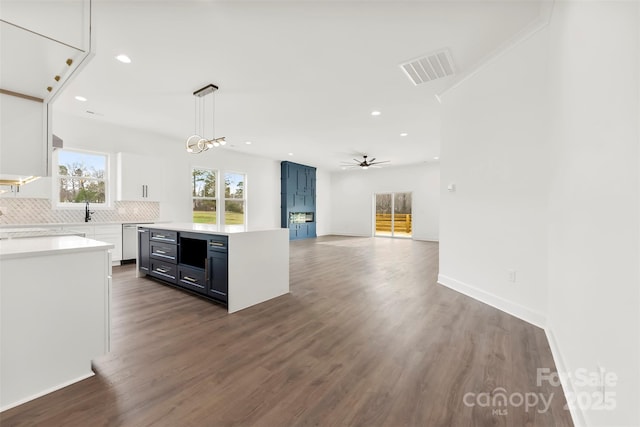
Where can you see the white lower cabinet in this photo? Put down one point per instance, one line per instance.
(109, 233)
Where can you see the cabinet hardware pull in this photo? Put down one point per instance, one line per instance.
(162, 270)
(189, 279)
(158, 251)
(216, 244)
(206, 271)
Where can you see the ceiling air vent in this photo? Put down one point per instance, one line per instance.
(434, 66)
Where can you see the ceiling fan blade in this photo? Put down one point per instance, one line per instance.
(382, 161)
(356, 160)
(372, 160)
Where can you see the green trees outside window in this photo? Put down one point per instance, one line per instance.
(82, 177)
(203, 192)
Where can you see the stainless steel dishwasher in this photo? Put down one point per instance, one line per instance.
(129, 242)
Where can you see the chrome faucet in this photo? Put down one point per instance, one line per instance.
(87, 212)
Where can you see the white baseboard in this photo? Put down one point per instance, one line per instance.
(349, 235)
(514, 309)
(426, 239)
(47, 391)
(528, 315)
(566, 381)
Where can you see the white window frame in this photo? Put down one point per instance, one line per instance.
(217, 192)
(57, 177)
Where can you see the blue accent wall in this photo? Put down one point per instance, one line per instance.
(298, 200)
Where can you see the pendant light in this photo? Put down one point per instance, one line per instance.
(197, 143)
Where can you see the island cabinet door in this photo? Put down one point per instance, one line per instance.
(143, 250)
(218, 276)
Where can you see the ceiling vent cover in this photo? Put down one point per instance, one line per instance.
(436, 65)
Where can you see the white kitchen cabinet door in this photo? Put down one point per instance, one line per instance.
(140, 178)
(110, 233)
(23, 137)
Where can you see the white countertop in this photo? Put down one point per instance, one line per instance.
(204, 228)
(37, 246)
(71, 224)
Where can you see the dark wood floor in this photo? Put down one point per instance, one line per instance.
(366, 338)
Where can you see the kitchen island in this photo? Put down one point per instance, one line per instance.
(54, 313)
(235, 268)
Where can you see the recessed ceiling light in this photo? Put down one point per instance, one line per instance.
(375, 113)
(436, 158)
(248, 142)
(81, 98)
(291, 154)
(123, 58)
(404, 134)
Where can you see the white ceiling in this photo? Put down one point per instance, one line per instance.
(299, 77)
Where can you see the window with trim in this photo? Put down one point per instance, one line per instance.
(234, 200)
(203, 192)
(81, 177)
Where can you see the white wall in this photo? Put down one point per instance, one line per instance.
(594, 302)
(263, 175)
(495, 151)
(352, 198)
(543, 145)
(323, 202)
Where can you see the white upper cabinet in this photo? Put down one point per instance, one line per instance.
(23, 137)
(140, 178)
(58, 20)
(41, 43)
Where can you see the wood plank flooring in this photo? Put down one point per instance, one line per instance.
(365, 338)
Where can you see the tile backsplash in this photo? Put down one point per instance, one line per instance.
(39, 211)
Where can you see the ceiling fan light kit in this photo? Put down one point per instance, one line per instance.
(196, 143)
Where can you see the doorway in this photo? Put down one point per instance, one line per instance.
(393, 215)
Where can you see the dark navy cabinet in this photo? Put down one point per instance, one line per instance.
(298, 200)
(218, 269)
(197, 262)
(143, 250)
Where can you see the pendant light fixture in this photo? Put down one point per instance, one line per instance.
(197, 143)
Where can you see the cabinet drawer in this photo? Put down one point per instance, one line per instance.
(164, 236)
(192, 278)
(164, 271)
(165, 252)
(218, 243)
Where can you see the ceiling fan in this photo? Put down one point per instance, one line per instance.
(364, 163)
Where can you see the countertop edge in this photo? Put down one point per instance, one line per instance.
(189, 228)
(75, 224)
(50, 245)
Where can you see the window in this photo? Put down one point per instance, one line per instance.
(82, 177)
(203, 191)
(234, 200)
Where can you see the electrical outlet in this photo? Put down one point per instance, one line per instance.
(512, 276)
